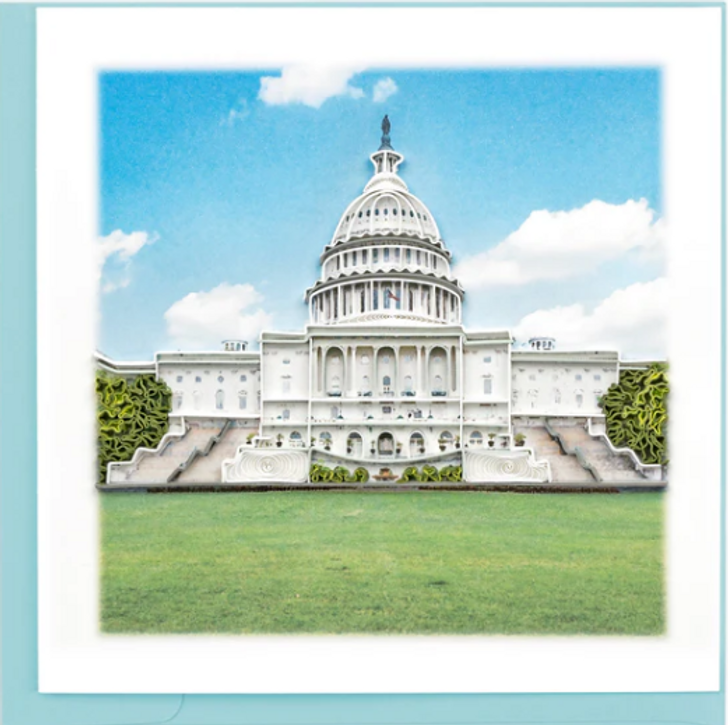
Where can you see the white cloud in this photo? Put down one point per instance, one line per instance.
(119, 248)
(310, 85)
(111, 286)
(238, 112)
(383, 89)
(561, 244)
(201, 320)
(632, 320)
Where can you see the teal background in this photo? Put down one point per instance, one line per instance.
(21, 702)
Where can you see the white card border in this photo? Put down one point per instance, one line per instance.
(72, 44)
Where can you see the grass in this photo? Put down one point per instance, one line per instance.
(428, 562)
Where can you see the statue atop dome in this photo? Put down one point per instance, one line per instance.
(386, 141)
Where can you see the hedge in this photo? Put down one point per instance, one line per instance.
(636, 412)
(129, 415)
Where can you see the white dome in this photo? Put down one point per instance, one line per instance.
(386, 208)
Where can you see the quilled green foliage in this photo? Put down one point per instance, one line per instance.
(319, 473)
(130, 415)
(636, 412)
(430, 474)
(409, 474)
(451, 473)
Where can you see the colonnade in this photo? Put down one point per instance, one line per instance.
(416, 299)
(408, 370)
(385, 258)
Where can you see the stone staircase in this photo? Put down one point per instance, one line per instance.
(208, 468)
(158, 466)
(565, 468)
(608, 466)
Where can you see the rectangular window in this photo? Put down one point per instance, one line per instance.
(243, 378)
(531, 377)
(487, 386)
(396, 255)
(364, 255)
(487, 359)
(198, 379)
(386, 254)
(346, 259)
(179, 378)
(419, 257)
(353, 258)
(243, 402)
(409, 256)
(597, 377)
(375, 255)
(577, 377)
(286, 386)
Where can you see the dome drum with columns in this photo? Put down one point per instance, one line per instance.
(383, 378)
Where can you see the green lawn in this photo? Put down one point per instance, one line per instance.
(427, 562)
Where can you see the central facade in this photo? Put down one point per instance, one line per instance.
(384, 376)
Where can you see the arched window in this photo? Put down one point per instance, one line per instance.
(242, 400)
(408, 383)
(335, 383)
(438, 383)
(296, 440)
(417, 444)
(365, 387)
(354, 445)
(325, 438)
(220, 399)
(386, 383)
(476, 438)
(385, 445)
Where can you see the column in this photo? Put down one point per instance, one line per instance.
(345, 372)
(454, 369)
(375, 371)
(448, 363)
(354, 381)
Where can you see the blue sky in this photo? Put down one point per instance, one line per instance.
(233, 184)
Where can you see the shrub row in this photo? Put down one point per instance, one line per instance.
(323, 474)
(430, 473)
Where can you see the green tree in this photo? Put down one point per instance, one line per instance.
(129, 415)
(636, 412)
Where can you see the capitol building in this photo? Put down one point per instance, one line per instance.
(384, 377)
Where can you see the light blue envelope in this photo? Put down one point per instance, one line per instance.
(21, 702)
